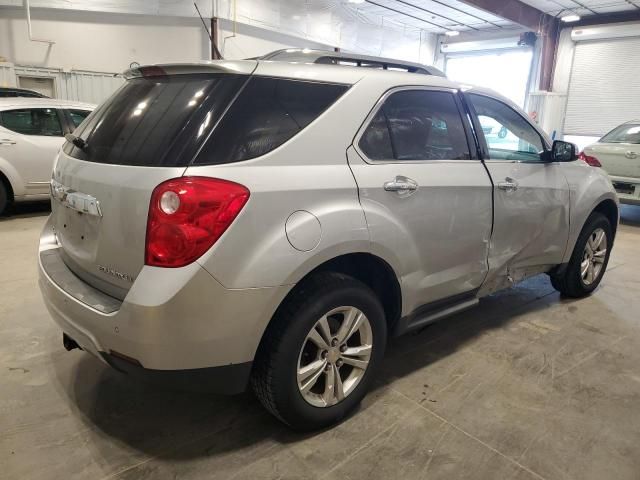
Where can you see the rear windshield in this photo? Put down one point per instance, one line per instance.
(156, 121)
(627, 133)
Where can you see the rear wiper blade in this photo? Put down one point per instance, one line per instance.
(77, 141)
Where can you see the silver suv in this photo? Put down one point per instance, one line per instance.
(273, 223)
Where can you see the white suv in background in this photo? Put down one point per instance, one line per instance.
(32, 131)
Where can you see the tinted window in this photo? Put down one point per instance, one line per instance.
(33, 121)
(19, 93)
(376, 141)
(628, 133)
(156, 121)
(509, 136)
(267, 113)
(77, 116)
(416, 125)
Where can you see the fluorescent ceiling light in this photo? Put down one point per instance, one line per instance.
(570, 18)
(452, 33)
(356, 1)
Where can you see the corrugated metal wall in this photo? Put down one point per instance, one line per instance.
(90, 87)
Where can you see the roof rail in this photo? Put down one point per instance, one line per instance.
(326, 57)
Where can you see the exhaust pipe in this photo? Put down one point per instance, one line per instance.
(69, 343)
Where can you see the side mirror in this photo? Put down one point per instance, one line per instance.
(563, 151)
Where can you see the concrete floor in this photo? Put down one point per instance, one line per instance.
(525, 386)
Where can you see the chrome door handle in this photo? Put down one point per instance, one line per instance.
(509, 185)
(401, 185)
(631, 155)
(6, 141)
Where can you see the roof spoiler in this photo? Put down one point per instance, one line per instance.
(349, 59)
(241, 67)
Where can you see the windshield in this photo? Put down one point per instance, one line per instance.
(627, 133)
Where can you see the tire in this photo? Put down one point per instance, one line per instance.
(285, 345)
(4, 198)
(571, 282)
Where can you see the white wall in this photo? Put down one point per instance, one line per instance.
(107, 36)
(103, 35)
(333, 24)
(99, 42)
(249, 41)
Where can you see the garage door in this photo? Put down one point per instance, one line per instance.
(604, 90)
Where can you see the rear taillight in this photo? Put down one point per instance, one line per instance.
(588, 159)
(187, 215)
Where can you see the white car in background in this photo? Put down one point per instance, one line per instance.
(618, 152)
(32, 131)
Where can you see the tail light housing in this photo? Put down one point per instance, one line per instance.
(187, 216)
(589, 160)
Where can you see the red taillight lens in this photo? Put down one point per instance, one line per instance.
(593, 161)
(187, 216)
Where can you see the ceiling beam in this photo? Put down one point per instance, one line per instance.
(418, 7)
(512, 10)
(386, 7)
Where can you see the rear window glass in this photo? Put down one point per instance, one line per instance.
(628, 133)
(156, 121)
(267, 113)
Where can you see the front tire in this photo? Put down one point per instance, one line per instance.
(589, 259)
(321, 352)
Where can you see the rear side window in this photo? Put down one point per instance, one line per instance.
(156, 121)
(32, 121)
(267, 113)
(416, 125)
(77, 116)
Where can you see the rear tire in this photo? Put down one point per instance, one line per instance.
(4, 198)
(287, 349)
(587, 254)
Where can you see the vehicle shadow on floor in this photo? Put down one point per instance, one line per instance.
(178, 425)
(26, 210)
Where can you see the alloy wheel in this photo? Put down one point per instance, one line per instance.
(593, 257)
(334, 356)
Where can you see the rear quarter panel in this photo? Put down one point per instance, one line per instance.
(308, 173)
(588, 187)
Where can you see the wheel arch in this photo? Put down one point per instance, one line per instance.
(609, 209)
(11, 179)
(5, 181)
(371, 270)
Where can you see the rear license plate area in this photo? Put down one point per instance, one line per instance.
(76, 231)
(625, 188)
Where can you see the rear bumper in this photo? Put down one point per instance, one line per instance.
(228, 379)
(171, 320)
(627, 198)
